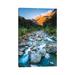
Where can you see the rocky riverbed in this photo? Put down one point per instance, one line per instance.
(37, 49)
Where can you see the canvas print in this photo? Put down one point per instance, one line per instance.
(37, 37)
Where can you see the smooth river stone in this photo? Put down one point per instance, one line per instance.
(35, 57)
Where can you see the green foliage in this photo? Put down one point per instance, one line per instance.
(22, 31)
(49, 29)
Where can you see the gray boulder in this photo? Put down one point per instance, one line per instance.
(35, 57)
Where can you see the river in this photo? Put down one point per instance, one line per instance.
(38, 49)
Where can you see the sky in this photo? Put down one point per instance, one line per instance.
(30, 13)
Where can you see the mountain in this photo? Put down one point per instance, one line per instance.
(25, 22)
(49, 18)
(45, 18)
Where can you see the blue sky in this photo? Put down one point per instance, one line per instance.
(30, 13)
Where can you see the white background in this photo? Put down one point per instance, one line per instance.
(9, 37)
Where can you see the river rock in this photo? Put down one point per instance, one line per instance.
(33, 65)
(21, 49)
(20, 53)
(51, 49)
(22, 44)
(42, 52)
(33, 48)
(47, 55)
(52, 63)
(35, 57)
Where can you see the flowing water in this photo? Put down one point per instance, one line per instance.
(38, 49)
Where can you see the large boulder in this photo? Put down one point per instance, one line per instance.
(35, 57)
(42, 52)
